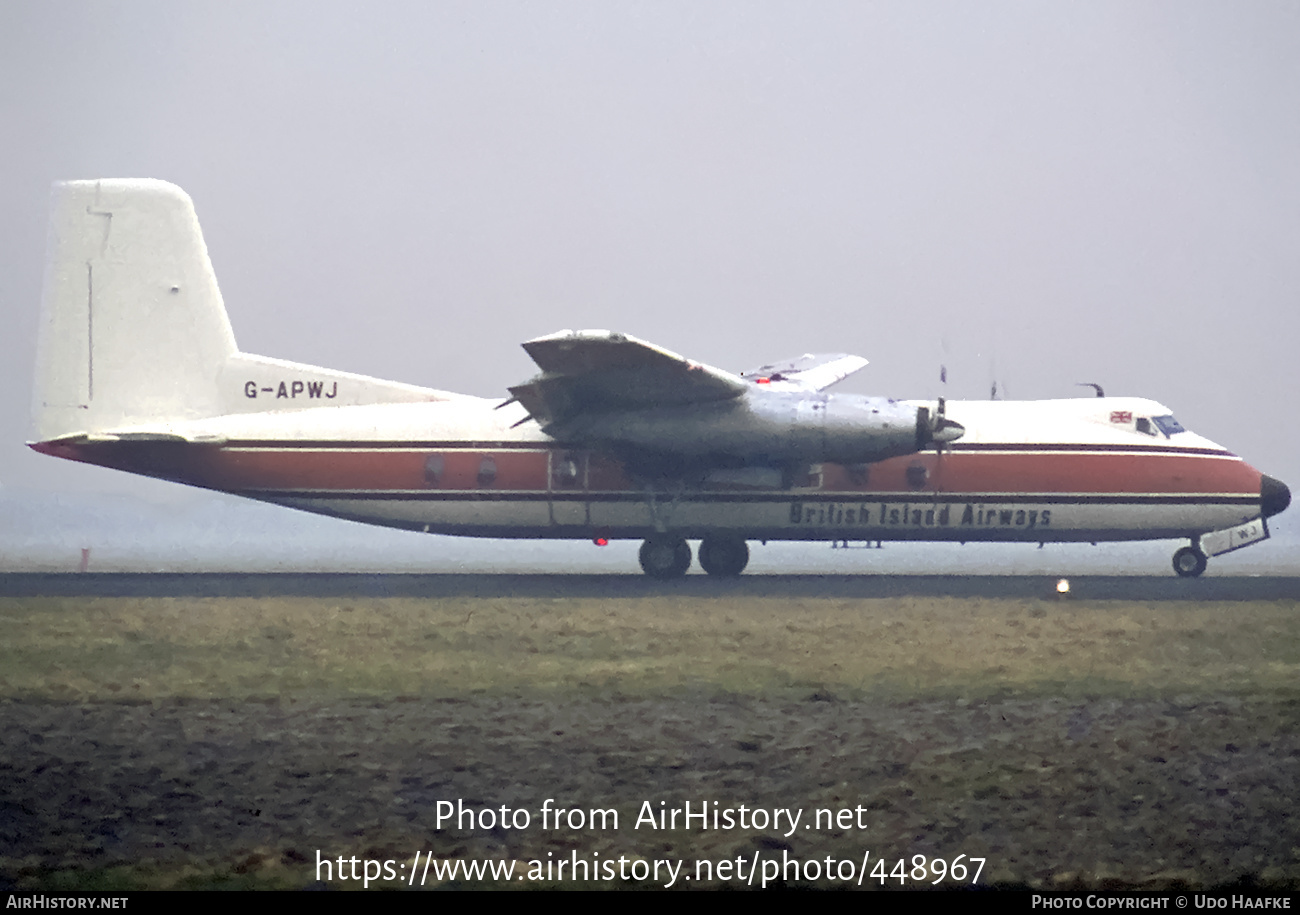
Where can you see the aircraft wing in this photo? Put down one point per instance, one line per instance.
(809, 372)
(598, 371)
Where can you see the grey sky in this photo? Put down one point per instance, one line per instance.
(1053, 192)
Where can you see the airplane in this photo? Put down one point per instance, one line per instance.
(614, 438)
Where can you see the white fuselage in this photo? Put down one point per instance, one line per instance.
(1033, 471)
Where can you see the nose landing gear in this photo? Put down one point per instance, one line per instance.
(1189, 562)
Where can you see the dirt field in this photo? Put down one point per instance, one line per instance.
(220, 742)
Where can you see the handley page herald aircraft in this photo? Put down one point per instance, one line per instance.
(614, 438)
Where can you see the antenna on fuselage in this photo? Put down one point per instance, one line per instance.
(1091, 384)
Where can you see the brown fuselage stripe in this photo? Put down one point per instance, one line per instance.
(374, 469)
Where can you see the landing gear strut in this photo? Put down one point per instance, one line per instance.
(665, 556)
(1189, 562)
(723, 555)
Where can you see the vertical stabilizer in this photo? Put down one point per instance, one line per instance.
(132, 323)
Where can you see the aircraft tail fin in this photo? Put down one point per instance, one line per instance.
(132, 323)
(134, 331)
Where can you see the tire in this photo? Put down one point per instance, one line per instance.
(1189, 562)
(723, 555)
(665, 556)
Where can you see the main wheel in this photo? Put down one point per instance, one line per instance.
(724, 555)
(665, 556)
(1189, 562)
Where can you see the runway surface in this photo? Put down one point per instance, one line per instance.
(1100, 587)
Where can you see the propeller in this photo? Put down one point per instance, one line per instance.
(945, 430)
(936, 428)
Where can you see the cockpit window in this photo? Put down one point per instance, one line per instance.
(1168, 425)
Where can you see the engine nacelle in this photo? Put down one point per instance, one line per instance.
(767, 428)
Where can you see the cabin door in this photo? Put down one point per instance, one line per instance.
(568, 488)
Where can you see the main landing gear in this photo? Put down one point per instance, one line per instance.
(1189, 562)
(724, 556)
(666, 556)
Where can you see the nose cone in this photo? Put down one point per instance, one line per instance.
(1273, 495)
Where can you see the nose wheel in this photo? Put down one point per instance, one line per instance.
(665, 556)
(1189, 562)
